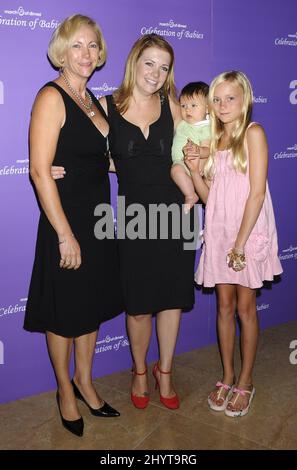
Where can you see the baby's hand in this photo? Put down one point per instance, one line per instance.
(192, 163)
(192, 156)
(191, 149)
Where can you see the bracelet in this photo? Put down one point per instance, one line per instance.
(63, 241)
(236, 260)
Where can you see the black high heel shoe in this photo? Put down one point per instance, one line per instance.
(76, 426)
(105, 411)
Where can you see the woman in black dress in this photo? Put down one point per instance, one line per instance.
(75, 282)
(156, 272)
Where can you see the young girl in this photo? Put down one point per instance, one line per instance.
(240, 249)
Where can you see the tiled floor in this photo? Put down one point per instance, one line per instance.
(34, 423)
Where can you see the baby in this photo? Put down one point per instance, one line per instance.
(194, 128)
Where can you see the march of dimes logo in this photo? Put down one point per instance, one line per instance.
(172, 29)
(103, 89)
(288, 254)
(11, 309)
(20, 168)
(260, 99)
(290, 40)
(111, 343)
(290, 152)
(22, 18)
(262, 307)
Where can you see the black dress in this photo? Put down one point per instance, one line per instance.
(71, 302)
(156, 273)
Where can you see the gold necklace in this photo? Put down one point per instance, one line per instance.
(88, 106)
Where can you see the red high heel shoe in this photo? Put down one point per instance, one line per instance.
(171, 403)
(140, 402)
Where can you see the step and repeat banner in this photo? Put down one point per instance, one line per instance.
(208, 37)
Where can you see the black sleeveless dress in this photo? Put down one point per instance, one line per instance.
(156, 273)
(71, 302)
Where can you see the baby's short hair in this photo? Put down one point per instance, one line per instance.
(195, 88)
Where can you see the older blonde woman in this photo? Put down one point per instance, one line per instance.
(75, 279)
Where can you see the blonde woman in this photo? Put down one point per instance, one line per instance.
(75, 282)
(239, 209)
(156, 271)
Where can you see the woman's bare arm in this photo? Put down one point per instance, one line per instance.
(48, 116)
(258, 165)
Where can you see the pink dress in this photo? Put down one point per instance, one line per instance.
(224, 212)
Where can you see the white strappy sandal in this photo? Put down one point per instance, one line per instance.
(239, 391)
(221, 386)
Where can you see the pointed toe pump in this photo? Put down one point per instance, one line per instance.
(105, 411)
(171, 403)
(75, 427)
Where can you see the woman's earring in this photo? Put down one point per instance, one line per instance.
(207, 116)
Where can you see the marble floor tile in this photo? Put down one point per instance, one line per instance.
(179, 433)
(34, 422)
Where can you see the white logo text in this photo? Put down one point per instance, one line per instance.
(1, 93)
(1, 353)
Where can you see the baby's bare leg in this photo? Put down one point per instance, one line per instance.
(184, 181)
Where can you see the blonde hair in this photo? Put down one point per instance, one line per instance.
(123, 94)
(238, 133)
(64, 33)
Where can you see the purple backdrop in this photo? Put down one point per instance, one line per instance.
(208, 36)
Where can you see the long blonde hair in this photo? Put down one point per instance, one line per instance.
(123, 94)
(238, 133)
